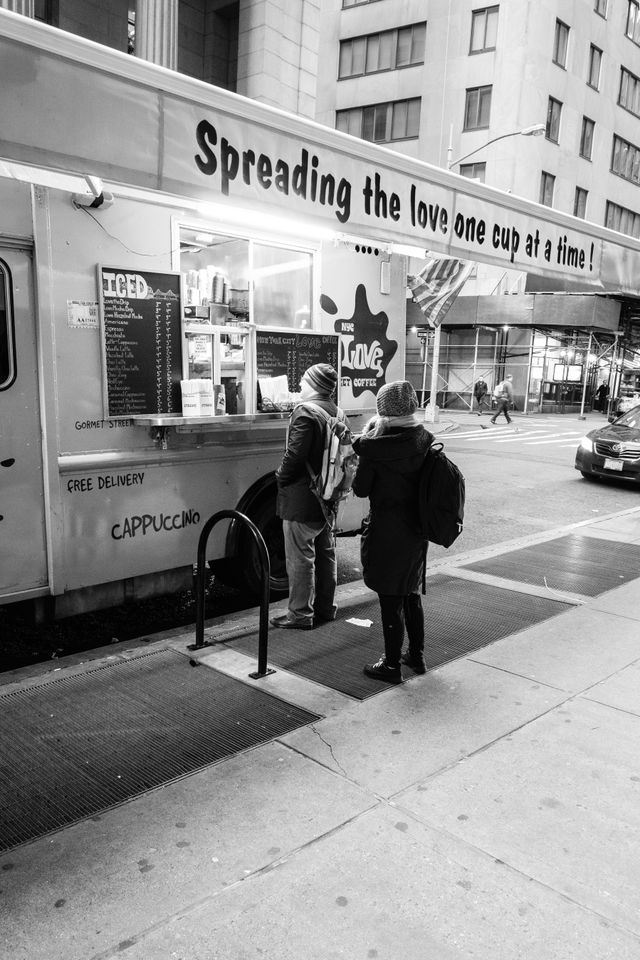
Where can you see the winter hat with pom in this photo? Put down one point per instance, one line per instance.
(322, 377)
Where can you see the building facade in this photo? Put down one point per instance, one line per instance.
(537, 97)
(263, 49)
(540, 98)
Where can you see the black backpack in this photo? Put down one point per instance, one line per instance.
(441, 492)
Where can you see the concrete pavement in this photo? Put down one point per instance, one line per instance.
(488, 809)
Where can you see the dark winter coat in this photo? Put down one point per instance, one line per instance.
(391, 549)
(480, 389)
(296, 500)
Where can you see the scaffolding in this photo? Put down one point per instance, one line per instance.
(554, 371)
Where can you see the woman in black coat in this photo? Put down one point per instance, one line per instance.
(391, 451)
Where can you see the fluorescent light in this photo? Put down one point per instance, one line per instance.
(269, 223)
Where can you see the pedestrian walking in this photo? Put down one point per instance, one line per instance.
(480, 391)
(504, 396)
(601, 397)
(309, 541)
(392, 449)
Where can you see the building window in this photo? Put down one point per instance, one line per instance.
(554, 111)
(382, 51)
(580, 203)
(629, 96)
(600, 7)
(131, 32)
(484, 29)
(7, 347)
(625, 160)
(410, 45)
(561, 44)
(46, 11)
(382, 122)
(477, 108)
(473, 171)
(632, 29)
(622, 220)
(595, 60)
(547, 184)
(586, 138)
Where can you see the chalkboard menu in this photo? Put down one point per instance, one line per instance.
(142, 341)
(293, 353)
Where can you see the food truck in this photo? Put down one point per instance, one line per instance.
(172, 257)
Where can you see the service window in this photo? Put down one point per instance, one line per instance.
(231, 287)
(7, 349)
(281, 287)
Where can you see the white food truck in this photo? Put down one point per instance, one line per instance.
(172, 257)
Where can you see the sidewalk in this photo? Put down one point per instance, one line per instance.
(490, 809)
(452, 420)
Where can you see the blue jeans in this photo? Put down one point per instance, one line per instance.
(310, 553)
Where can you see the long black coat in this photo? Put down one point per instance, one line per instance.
(296, 500)
(392, 551)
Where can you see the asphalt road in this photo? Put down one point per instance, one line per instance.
(520, 480)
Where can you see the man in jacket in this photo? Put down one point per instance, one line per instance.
(480, 391)
(504, 396)
(309, 542)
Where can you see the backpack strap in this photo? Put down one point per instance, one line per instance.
(318, 409)
(316, 406)
(329, 513)
(325, 416)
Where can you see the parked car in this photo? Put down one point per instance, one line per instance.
(624, 404)
(612, 450)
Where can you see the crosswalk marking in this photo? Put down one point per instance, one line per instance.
(520, 436)
(531, 436)
(494, 432)
(535, 443)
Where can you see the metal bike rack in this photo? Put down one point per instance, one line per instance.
(265, 574)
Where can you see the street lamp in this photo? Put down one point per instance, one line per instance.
(536, 130)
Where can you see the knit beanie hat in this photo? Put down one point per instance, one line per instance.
(397, 399)
(322, 377)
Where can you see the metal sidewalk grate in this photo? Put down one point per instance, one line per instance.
(460, 616)
(77, 745)
(571, 564)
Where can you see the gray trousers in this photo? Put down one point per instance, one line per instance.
(310, 553)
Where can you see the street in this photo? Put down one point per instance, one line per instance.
(520, 480)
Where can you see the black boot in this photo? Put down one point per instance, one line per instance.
(415, 661)
(382, 671)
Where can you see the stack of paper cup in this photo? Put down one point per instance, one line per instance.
(207, 407)
(198, 398)
(190, 398)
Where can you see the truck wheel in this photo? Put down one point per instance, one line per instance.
(247, 565)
